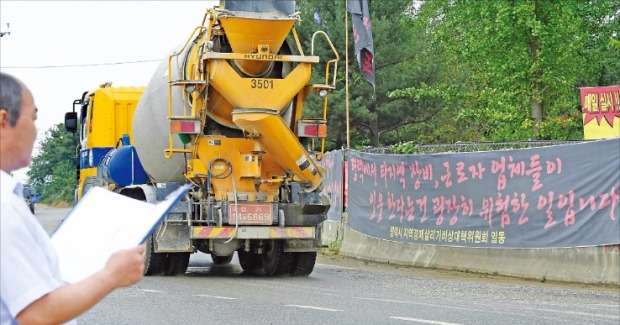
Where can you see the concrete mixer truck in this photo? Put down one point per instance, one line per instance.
(224, 112)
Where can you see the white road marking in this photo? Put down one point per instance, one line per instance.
(595, 315)
(148, 290)
(334, 266)
(313, 307)
(419, 303)
(425, 321)
(570, 312)
(216, 297)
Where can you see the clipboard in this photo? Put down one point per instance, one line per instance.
(102, 223)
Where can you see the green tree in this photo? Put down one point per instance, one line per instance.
(511, 70)
(52, 171)
(375, 118)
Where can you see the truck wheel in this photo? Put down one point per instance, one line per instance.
(303, 263)
(274, 260)
(153, 262)
(249, 261)
(176, 263)
(219, 260)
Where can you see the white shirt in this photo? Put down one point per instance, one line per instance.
(28, 262)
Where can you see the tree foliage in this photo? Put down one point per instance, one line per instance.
(52, 171)
(510, 70)
(375, 119)
(468, 70)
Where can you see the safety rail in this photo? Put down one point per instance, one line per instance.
(192, 117)
(188, 122)
(324, 89)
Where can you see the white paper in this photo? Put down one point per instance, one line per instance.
(102, 223)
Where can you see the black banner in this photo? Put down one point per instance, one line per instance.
(559, 196)
(362, 36)
(333, 163)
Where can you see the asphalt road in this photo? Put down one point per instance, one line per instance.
(346, 291)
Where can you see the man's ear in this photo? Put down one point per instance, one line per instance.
(4, 118)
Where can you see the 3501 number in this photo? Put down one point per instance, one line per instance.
(262, 83)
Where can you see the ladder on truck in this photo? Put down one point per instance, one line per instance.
(191, 123)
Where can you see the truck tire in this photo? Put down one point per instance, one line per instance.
(220, 260)
(274, 260)
(153, 262)
(176, 263)
(249, 261)
(303, 263)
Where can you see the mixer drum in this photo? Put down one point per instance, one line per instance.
(151, 128)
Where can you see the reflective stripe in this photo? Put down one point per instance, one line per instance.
(249, 232)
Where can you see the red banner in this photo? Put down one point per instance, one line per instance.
(601, 111)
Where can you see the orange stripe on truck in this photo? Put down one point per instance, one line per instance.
(252, 232)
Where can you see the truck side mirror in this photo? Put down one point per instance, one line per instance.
(71, 121)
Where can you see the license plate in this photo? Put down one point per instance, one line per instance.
(250, 213)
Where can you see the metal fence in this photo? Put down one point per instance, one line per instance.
(471, 146)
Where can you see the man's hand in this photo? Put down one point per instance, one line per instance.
(126, 266)
(66, 302)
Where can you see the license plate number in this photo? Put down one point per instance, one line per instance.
(250, 213)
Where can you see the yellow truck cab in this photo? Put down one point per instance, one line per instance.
(105, 115)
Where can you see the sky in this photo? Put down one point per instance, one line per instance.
(60, 49)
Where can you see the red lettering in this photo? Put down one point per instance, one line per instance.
(499, 166)
(518, 205)
(516, 168)
(487, 210)
(372, 200)
(544, 201)
(552, 166)
(610, 198)
(563, 201)
(589, 201)
(356, 35)
(367, 63)
(380, 207)
(460, 166)
(534, 171)
(502, 206)
(438, 207)
(452, 206)
(395, 205)
(410, 208)
(477, 171)
(446, 177)
(467, 206)
(393, 171)
(366, 22)
(421, 202)
(425, 173)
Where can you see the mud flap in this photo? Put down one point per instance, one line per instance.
(173, 238)
(300, 245)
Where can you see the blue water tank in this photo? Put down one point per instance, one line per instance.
(122, 166)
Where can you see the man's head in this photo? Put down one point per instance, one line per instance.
(17, 129)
